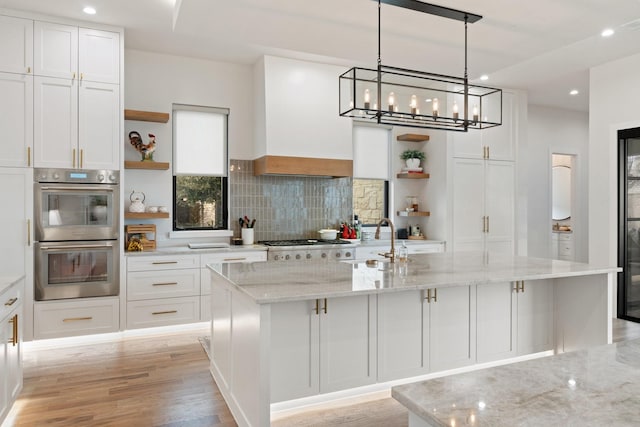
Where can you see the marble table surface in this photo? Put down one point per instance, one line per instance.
(599, 386)
(270, 282)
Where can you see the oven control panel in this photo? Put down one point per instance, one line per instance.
(293, 255)
(80, 176)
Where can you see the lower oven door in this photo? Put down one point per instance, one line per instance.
(76, 269)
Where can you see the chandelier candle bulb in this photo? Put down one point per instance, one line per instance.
(455, 111)
(414, 105)
(475, 113)
(435, 108)
(392, 101)
(367, 99)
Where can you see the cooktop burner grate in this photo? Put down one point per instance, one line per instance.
(303, 242)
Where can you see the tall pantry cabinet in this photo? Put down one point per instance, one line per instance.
(483, 185)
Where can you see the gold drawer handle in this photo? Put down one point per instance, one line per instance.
(234, 259)
(155, 313)
(164, 284)
(77, 319)
(14, 339)
(11, 302)
(164, 262)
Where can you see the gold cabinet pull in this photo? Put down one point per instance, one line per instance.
(156, 313)
(164, 284)
(487, 224)
(28, 156)
(516, 288)
(14, 338)
(81, 158)
(435, 295)
(28, 70)
(73, 75)
(522, 286)
(73, 157)
(428, 297)
(77, 319)
(81, 76)
(488, 152)
(317, 309)
(325, 306)
(11, 302)
(164, 262)
(484, 224)
(234, 259)
(28, 232)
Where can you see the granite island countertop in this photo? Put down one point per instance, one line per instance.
(599, 386)
(272, 282)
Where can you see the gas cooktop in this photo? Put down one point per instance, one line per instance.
(304, 242)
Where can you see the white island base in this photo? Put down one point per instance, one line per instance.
(287, 335)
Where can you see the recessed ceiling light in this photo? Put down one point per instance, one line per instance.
(484, 77)
(574, 92)
(89, 10)
(607, 32)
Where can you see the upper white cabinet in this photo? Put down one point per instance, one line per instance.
(70, 52)
(497, 143)
(16, 119)
(16, 45)
(77, 99)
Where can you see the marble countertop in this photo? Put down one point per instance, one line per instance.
(595, 387)
(271, 282)
(7, 281)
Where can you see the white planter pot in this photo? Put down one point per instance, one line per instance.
(413, 163)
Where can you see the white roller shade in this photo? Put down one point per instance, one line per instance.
(199, 141)
(371, 152)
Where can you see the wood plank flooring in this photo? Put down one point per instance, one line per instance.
(164, 381)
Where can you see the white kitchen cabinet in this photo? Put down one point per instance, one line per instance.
(497, 143)
(483, 193)
(82, 316)
(16, 45)
(99, 125)
(16, 119)
(562, 246)
(69, 52)
(514, 318)
(221, 258)
(219, 302)
(425, 331)
(11, 318)
(16, 251)
(320, 346)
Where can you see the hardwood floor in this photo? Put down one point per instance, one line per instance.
(164, 381)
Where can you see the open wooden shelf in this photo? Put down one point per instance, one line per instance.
(146, 116)
(146, 215)
(413, 175)
(407, 213)
(412, 137)
(133, 164)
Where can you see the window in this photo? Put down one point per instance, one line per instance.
(371, 173)
(200, 187)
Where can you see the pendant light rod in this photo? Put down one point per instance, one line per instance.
(434, 9)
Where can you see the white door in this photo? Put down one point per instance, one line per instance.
(294, 350)
(16, 119)
(403, 339)
(16, 45)
(468, 204)
(55, 122)
(99, 126)
(16, 186)
(496, 309)
(14, 354)
(535, 316)
(55, 50)
(500, 206)
(347, 342)
(500, 140)
(452, 332)
(99, 56)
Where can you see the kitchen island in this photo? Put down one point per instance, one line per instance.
(302, 332)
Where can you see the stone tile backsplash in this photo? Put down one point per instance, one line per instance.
(287, 207)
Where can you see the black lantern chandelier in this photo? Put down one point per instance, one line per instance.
(402, 97)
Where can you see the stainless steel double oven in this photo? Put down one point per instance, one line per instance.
(76, 231)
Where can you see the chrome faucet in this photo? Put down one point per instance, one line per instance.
(391, 255)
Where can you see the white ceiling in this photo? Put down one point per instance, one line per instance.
(544, 46)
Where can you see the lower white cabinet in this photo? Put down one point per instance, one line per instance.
(562, 246)
(163, 312)
(11, 318)
(514, 318)
(82, 316)
(425, 331)
(323, 345)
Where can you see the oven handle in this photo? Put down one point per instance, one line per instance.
(64, 247)
(78, 187)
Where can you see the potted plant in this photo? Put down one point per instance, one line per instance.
(412, 158)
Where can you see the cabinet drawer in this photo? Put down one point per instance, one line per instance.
(143, 285)
(170, 311)
(565, 237)
(233, 257)
(10, 299)
(150, 263)
(83, 316)
(425, 249)
(565, 248)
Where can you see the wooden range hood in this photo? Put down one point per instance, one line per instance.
(302, 166)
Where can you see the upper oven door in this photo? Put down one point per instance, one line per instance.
(76, 211)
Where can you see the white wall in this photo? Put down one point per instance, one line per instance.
(554, 130)
(153, 82)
